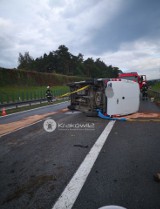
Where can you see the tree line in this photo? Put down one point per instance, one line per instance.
(63, 62)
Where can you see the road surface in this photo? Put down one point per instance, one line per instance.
(114, 161)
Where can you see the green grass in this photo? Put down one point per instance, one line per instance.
(156, 87)
(14, 93)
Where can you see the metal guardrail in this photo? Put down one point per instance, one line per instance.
(16, 104)
(151, 93)
(7, 100)
(28, 102)
(154, 94)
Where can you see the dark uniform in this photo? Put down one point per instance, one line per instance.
(49, 95)
(144, 91)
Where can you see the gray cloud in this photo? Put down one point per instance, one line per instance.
(123, 33)
(137, 19)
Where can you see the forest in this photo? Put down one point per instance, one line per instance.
(61, 61)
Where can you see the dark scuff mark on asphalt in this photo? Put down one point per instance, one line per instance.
(30, 187)
(82, 146)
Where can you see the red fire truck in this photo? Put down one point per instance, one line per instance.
(134, 77)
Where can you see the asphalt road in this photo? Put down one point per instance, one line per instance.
(36, 166)
(40, 110)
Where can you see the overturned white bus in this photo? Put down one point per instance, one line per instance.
(110, 96)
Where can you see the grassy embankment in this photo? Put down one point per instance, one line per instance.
(19, 85)
(16, 94)
(156, 87)
(10, 94)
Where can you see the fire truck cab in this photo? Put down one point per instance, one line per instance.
(134, 77)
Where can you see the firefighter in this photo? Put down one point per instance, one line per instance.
(49, 94)
(144, 91)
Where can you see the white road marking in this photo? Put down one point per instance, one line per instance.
(32, 109)
(72, 190)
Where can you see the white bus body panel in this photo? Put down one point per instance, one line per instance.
(123, 97)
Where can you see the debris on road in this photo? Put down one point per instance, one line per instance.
(13, 126)
(157, 177)
(82, 146)
(9, 127)
(144, 115)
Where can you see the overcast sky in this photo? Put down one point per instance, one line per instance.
(123, 33)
